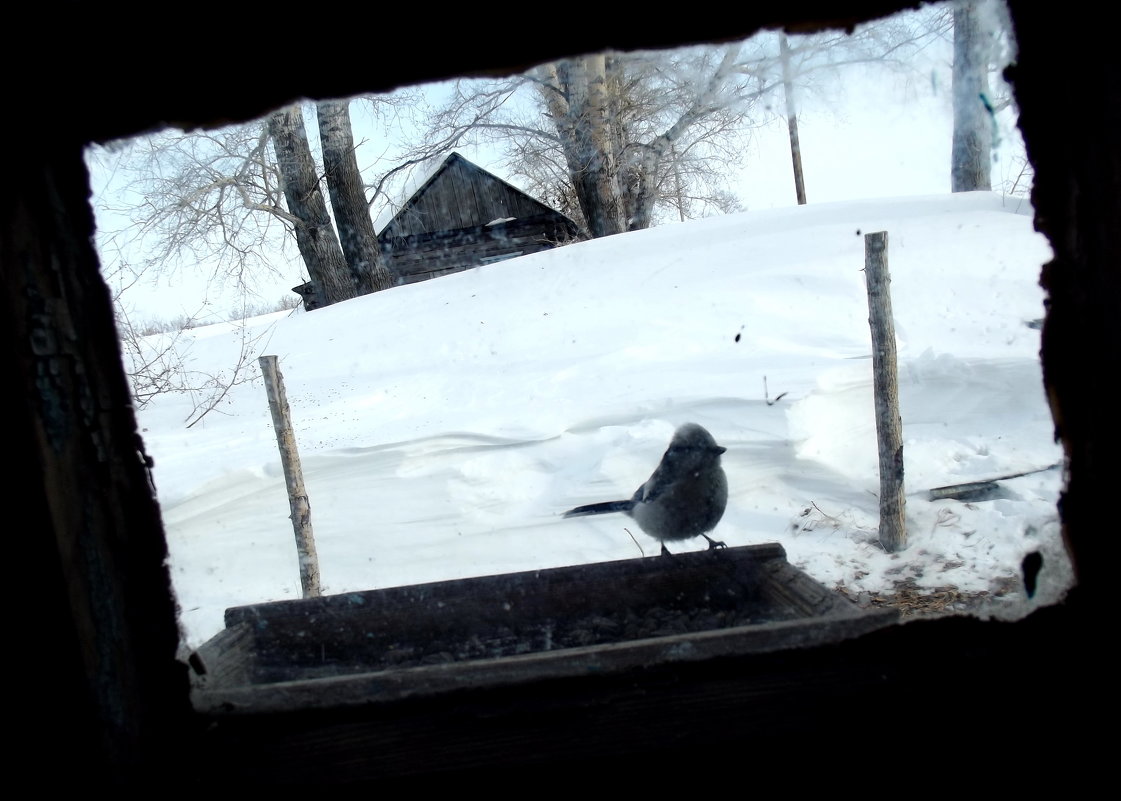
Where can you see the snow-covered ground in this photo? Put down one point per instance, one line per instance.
(445, 426)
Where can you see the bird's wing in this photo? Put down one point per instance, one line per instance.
(654, 487)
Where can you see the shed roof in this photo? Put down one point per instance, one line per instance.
(430, 178)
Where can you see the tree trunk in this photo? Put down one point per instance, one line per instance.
(644, 190)
(970, 167)
(619, 114)
(348, 199)
(678, 189)
(792, 120)
(579, 106)
(315, 236)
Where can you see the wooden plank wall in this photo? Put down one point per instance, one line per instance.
(461, 195)
(424, 256)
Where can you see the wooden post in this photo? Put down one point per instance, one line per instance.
(792, 120)
(889, 426)
(293, 476)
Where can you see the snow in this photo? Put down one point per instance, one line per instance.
(445, 426)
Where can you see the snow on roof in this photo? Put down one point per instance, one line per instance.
(417, 177)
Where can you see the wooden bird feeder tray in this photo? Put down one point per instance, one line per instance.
(378, 646)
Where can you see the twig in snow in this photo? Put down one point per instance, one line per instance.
(635, 541)
(766, 397)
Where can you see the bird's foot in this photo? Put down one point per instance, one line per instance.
(711, 543)
(665, 550)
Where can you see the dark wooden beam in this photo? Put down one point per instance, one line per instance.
(105, 697)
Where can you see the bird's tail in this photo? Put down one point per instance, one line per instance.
(600, 508)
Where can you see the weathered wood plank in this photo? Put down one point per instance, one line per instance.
(225, 660)
(398, 642)
(389, 686)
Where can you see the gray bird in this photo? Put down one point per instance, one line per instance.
(684, 498)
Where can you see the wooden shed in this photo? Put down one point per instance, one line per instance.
(462, 216)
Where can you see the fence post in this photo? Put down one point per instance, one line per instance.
(889, 425)
(293, 476)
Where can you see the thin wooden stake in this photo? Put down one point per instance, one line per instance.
(889, 425)
(293, 476)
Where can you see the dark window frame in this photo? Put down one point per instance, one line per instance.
(108, 689)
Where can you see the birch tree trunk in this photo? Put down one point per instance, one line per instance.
(357, 236)
(577, 100)
(315, 235)
(971, 153)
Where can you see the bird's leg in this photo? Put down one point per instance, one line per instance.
(711, 543)
(665, 550)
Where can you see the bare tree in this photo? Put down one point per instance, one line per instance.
(348, 199)
(620, 140)
(215, 200)
(227, 202)
(160, 363)
(613, 138)
(715, 99)
(185, 200)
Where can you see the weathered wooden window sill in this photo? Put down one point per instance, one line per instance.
(380, 646)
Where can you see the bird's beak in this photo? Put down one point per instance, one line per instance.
(720, 449)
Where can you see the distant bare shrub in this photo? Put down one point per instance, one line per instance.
(156, 357)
